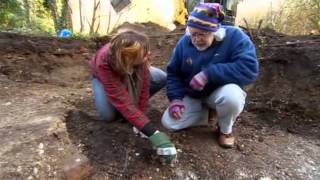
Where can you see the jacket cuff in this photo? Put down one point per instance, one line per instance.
(206, 72)
(148, 129)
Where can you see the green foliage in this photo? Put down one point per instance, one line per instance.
(296, 17)
(11, 14)
(80, 36)
(40, 18)
(35, 16)
(59, 13)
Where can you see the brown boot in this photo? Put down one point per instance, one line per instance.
(226, 140)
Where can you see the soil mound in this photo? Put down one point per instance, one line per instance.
(288, 89)
(47, 114)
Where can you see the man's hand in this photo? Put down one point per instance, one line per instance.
(176, 109)
(199, 81)
(164, 147)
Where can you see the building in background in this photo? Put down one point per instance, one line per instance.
(229, 7)
(254, 11)
(102, 16)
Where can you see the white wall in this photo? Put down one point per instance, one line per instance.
(254, 10)
(161, 12)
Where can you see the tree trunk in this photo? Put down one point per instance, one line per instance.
(80, 12)
(98, 26)
(109, 19)
(27, 12)
(93, 20)
(52, 6)
(66, 15)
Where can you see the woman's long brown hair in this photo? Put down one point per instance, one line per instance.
(127, 51)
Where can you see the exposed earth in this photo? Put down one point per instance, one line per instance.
(47, 115)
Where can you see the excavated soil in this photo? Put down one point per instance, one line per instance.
(47, 115)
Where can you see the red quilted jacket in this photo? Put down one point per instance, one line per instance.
(117, 92)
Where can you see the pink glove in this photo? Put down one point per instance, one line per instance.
(199, 81)
(176, 109)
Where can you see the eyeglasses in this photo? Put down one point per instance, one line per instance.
(201, 35)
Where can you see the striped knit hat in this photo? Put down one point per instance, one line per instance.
(206, 16)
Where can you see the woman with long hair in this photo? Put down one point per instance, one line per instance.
(123, 81)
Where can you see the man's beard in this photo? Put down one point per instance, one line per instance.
(201, 48)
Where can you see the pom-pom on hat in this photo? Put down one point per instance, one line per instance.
(206, 16)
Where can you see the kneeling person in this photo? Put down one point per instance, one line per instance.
(122, 81)
(207, 71)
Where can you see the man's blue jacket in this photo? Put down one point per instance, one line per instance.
(232, 60)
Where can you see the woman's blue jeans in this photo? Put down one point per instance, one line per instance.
(106, 111)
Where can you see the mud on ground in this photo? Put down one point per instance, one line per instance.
(47, 115)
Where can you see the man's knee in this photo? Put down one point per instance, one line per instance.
(229, 97)
(188, 119)
(169, 123)
(234, 105)
(231, 104)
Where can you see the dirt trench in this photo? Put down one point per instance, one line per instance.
(48, 115)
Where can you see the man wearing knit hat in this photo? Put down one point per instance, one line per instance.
(207, 71)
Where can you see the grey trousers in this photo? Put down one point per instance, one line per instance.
(228, 101)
